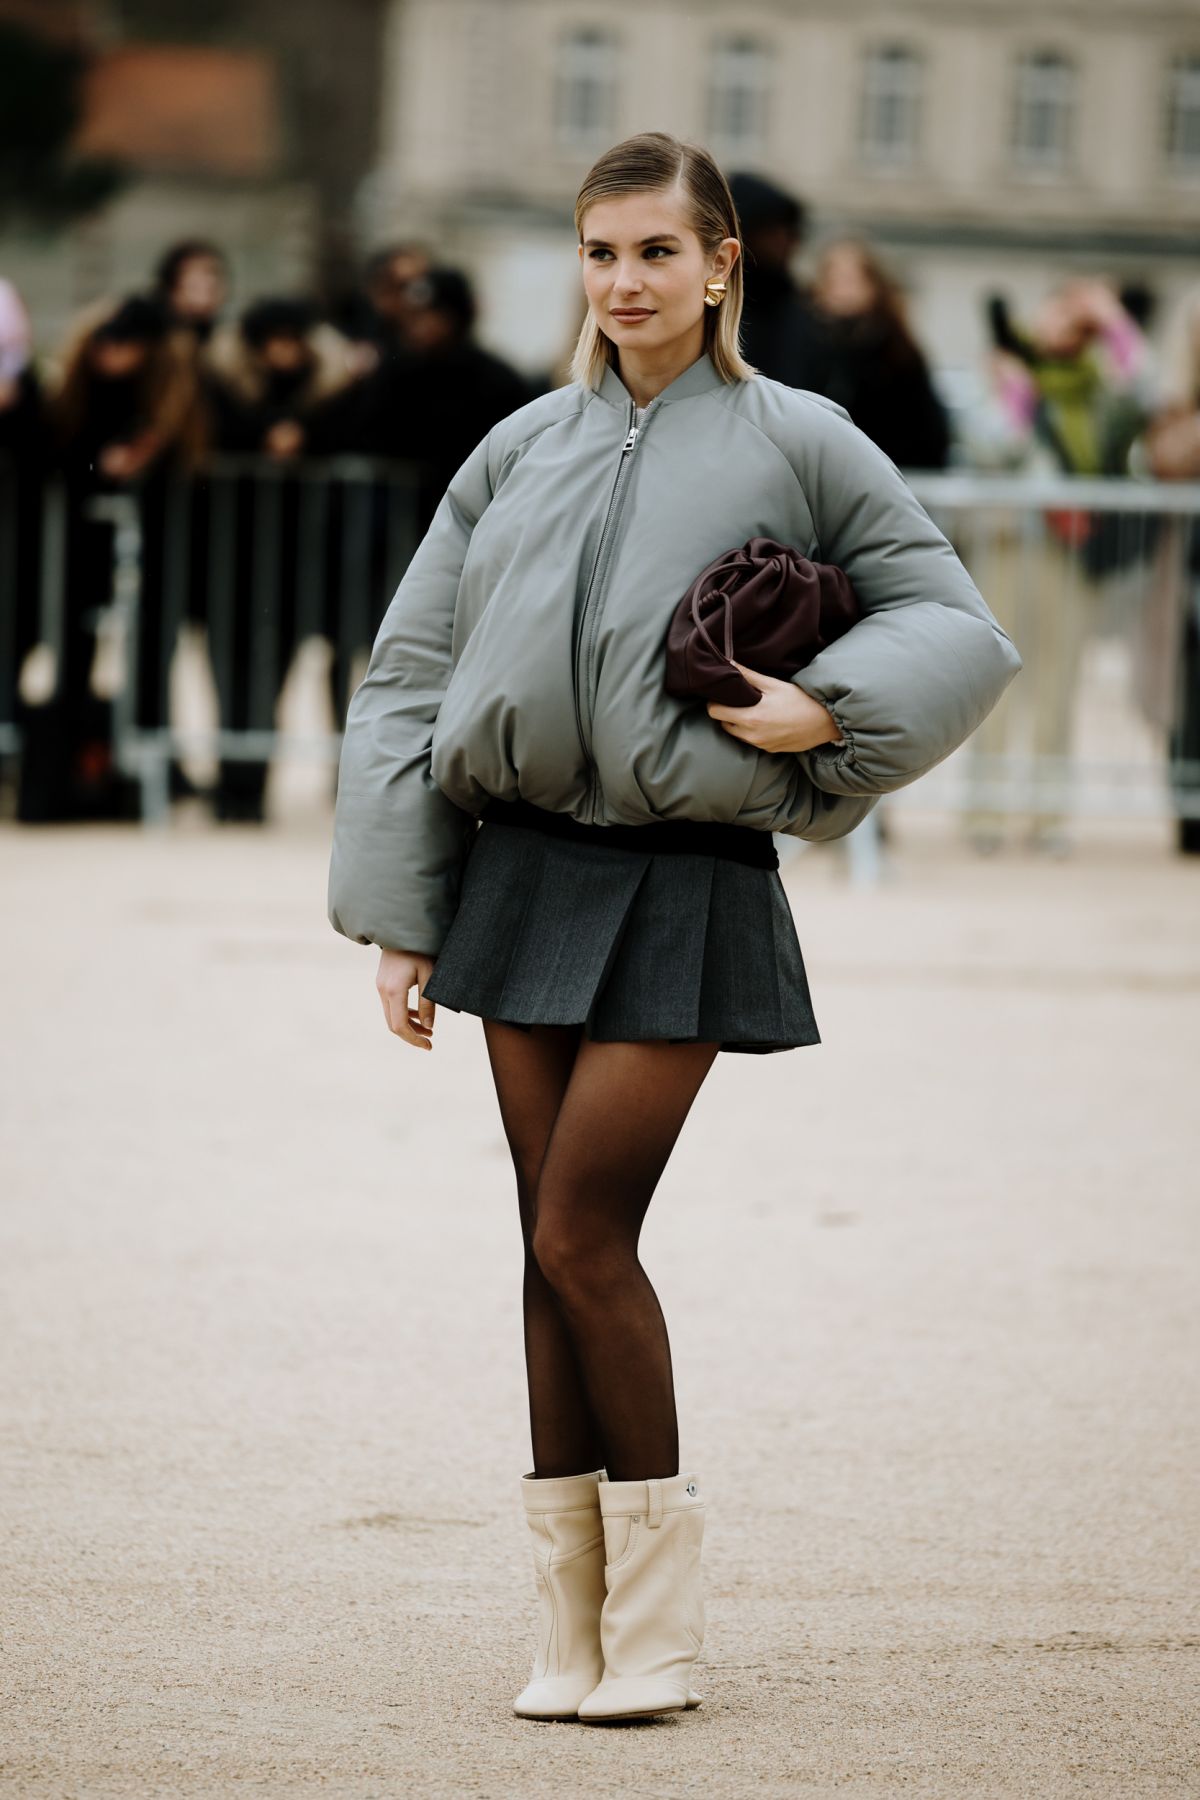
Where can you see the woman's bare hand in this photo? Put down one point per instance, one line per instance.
(122, 462)
(285, 438)
(399, 971)
(786, 718)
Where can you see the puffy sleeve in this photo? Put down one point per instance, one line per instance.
(915, 676)
(398, 842)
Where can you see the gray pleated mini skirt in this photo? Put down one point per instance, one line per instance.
(677, 929)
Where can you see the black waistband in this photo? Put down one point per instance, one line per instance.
(695, 837)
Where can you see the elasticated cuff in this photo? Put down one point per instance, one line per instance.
(837, 754)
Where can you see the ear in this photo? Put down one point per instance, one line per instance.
(726, 254)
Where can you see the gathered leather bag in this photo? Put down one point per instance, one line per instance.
(763, 604)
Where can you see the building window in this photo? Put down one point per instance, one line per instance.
(739, 77)
(1183, 116)
(891, 106)
(1043, 112)
(585, 104)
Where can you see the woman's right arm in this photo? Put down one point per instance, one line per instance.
(399, 972)
(398, 842)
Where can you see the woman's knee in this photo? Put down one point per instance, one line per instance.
(577, 1265)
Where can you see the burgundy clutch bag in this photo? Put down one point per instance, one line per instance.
(764, 604)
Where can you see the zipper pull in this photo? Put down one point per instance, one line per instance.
(631, 440)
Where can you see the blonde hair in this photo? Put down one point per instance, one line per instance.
(652, 162)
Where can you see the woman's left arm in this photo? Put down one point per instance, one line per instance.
(915, 676)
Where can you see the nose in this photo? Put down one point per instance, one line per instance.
(628, 280)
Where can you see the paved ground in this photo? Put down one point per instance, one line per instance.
(932, 1294)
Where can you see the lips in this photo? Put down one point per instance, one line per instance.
(631, 312)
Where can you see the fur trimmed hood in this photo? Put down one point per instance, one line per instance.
(230, 359)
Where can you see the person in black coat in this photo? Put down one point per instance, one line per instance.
(781, 333)
(873, 365)
(433, 402)
(24, 457)
(427, 404)
(271, 379)
(275, 388)
(126, 417)
(376, 316)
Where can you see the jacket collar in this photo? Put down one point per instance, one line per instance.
(697, 378)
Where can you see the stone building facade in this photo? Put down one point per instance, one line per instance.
(253, 127)
(978, 144)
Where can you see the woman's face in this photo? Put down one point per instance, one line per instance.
(113, 359)
(844, 286)
(285, 355)
(644, 269)
(200, 289)
(390, 290)
(1063, 325)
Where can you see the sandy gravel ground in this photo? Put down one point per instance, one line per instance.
(932, 1294)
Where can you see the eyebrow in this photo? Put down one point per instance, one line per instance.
(659, 237)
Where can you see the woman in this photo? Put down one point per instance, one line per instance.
(872, 364)
(618, 916)
(191, 281)
(126, 415)
(275, 383)
(24, 456)
(1072, 386)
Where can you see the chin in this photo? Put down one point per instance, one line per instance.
(651, 332)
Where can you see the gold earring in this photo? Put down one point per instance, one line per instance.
(714, 292)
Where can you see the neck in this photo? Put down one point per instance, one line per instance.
(647, 372)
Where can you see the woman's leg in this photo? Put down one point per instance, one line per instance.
(531, 1070)
(623, 1109)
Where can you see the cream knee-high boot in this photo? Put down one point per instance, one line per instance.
(652, 1623)
(563, 1514)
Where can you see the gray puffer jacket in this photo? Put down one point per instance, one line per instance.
(523, 651)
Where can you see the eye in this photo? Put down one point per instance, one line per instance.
(599, 251)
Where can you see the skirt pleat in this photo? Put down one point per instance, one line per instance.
(631, 944)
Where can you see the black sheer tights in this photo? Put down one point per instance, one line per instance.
(591, 1127)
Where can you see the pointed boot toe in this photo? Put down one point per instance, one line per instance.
(553, 1697)
(634, 1697)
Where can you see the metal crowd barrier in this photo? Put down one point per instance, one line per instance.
(262, 555)
(267, 555)
(1098, 583)
(32, 537)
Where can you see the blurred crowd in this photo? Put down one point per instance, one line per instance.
(1072, 389)
(155, 384)
(165, 374)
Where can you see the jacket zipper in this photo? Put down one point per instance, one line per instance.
(585, 641)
